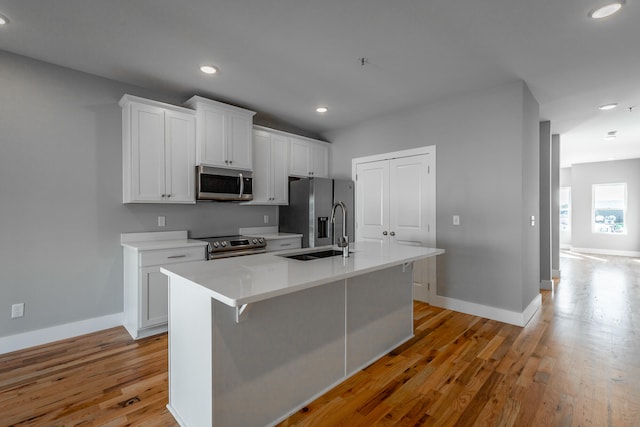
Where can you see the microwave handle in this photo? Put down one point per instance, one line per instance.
(241, 184)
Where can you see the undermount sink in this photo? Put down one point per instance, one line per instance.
(309, 256)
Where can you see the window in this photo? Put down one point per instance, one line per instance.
(609, 208)
(565, 208)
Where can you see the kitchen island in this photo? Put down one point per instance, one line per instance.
(252, 339)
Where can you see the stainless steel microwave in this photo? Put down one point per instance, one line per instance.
(223, 184)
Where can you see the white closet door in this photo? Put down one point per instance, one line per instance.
(409, 200)
(372, 201)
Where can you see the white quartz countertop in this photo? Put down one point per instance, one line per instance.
(165, 244)
(247, 279)
(159, 240)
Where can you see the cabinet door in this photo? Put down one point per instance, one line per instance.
(372, 201)
(319, 161)
(154, 298)
(262, 167)
(180, 157)
(211, 142)
(279, 169)
(239, 146)
(408, 199)
(299, 159)
(147, 153)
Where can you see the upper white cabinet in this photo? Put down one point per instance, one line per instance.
(224, 134)
(270, 178)
(308, 158)
(158, 152)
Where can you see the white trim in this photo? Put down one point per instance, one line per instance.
(606, 252)
(499, 314)
(556, 273)
(546, 285)
(59, 332)
(565, 246)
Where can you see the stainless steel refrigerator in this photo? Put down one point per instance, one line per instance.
(309, 210)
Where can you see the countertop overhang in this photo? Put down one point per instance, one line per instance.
(243, 280)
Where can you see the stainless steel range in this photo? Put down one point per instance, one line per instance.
(228, 246)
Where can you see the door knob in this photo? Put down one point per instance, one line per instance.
(384, 233)
(393, 233)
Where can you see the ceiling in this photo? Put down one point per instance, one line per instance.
(283, 58)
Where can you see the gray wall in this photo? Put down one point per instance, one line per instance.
(530, 195)
(555, 204)
(487, 172)
(61, 186)
(583, 176)
(545, 201)
(565, 181)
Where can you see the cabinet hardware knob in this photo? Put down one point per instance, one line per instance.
(384, 233)
(393, 233)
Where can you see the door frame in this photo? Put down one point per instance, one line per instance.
(430, 150)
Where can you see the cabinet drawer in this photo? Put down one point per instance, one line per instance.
(282, 244)
(170, 256)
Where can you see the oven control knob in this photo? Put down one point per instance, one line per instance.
(216, 244)
(223, 244)
(255, 241)
(261, 240)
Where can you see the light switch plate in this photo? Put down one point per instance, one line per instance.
(456, 220)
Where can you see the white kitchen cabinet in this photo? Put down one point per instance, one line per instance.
(145, 288)
(308, 158)
(158, 152)
(270, 178)
(224, 134)
(281, 244)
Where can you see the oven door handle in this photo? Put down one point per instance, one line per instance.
(241, 185)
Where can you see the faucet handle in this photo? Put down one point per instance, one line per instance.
(343, 241)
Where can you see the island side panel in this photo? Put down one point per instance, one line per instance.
(286, 351)
(190, 354)
(379, 315)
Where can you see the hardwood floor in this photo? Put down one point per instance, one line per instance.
(577, 363)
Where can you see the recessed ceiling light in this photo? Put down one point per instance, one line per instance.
(606, 10)
(606, 107)
(208, 69)
(3, 19)
(322, 109)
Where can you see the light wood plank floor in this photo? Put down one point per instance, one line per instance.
(577, 363)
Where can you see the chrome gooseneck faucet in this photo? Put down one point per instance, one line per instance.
(344, 240)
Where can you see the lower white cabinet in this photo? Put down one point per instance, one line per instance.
(282, 244)
(145, 288)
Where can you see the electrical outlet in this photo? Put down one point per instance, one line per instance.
(161, 221)
(17, 310)
(456, 220)
(266, 219)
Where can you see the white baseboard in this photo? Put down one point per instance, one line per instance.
(59, 332)
(546, 285)
(499, 314)
(613, 252)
